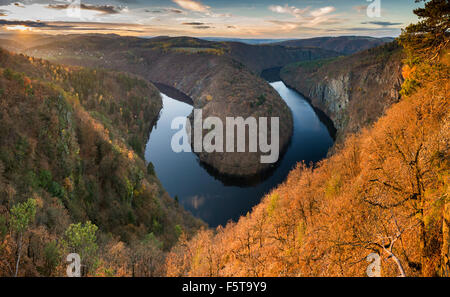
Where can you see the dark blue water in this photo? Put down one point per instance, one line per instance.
(214, 199)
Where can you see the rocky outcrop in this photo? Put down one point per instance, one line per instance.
(353, 91)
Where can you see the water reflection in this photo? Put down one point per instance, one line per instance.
(217, 199)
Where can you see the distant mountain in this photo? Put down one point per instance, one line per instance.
(243, 40)
(266, 56)
(10, 45)
(344, 44)
(214, 75)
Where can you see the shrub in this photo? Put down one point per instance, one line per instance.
(150, 169)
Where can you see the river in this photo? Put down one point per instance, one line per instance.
(216, 199)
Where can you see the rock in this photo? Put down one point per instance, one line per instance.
(353, 91)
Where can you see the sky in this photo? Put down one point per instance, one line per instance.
(272, 19)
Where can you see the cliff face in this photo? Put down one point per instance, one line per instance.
(353, 91)
(217, 84)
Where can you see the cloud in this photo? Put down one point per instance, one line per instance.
(305, 17)
(128, 1)
(382, 24)
(105, 9)
(285, 25)
(323, 11)
(73, 26)
(194, 24)
(198, 25)
(192, 5)
(383, 29)
(174, 10)
(165, 10)
(31, 24)
(299, 12)
(360, 8)
(308, 16)
(289, 10)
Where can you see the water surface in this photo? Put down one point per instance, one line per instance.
(215, 199)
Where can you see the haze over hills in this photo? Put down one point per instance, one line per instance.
(253, 41)
(343, 44)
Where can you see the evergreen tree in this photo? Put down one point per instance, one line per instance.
(431, 34)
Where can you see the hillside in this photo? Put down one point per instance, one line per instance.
(379, 206)
(346, 45)
(71, 146)
(261, 57)
(384, 191)
(256, 57)
(217, 84)
(10, 45)
(354, 91)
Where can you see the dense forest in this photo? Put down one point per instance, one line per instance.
(73, 179)
(72, 175)
(384, 191)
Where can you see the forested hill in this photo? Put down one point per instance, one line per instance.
(219, 85)
(385, 191)
(71, 163)
(344, 44)
(255, 57)
(354, 91)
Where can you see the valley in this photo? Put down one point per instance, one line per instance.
(217, 198)
(88, 163)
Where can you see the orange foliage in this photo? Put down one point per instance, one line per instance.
(407, 71)
(386, 186)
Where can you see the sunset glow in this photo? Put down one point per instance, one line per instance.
(214, 18)
(18, 28)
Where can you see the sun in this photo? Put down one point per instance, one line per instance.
(18, 28)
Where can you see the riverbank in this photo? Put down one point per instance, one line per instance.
(218, 198)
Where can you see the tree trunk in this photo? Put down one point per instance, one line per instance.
(19, 251)
(445, 252)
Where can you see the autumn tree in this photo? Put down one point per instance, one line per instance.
(431, 34)
(147, 257)
(424, 43)
(22, 215)
(81, 238)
